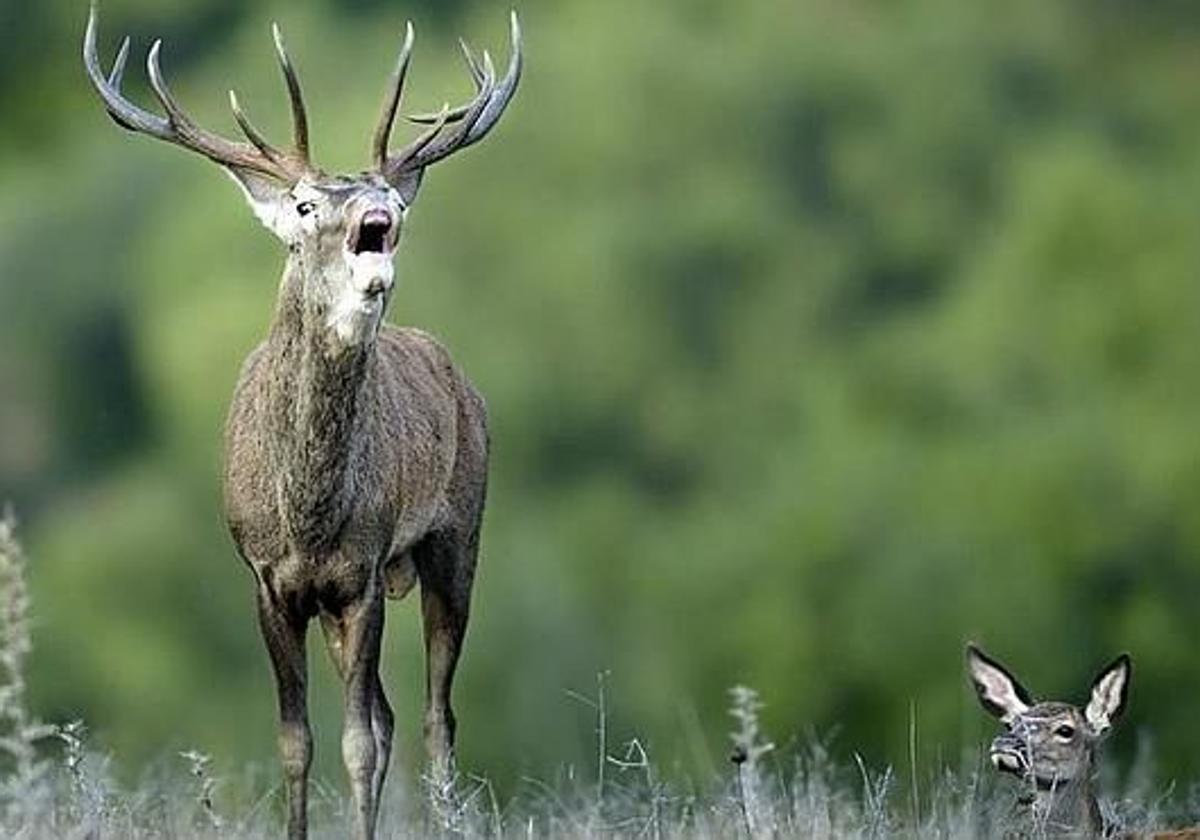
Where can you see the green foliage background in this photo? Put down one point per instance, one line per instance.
(819, 336)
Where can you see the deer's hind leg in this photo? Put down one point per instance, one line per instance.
(445, 564)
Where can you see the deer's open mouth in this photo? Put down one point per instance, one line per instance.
(1009, 760)
(374, 233)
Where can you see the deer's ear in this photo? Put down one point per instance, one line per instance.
(998, 690)
(407, 185)
(267, 197)
(1110, 691)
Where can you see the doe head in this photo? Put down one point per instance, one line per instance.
(1047, 744)
(341, 230)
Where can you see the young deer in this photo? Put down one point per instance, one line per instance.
(355, 453)
(1051, 746)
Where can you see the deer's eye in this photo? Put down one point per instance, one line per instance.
(1065, 731)
(306, 207)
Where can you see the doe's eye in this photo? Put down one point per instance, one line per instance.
(306, 207)
(1065, 731)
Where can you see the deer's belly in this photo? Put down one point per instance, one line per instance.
(328, 583)
(330, 576)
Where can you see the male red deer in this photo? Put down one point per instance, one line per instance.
(355, 452)
(1051, 746)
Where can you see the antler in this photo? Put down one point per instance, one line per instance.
(471, 121)
(178, 128)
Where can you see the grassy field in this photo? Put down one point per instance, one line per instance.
(53, 786)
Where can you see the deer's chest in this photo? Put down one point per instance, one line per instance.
(327, 544)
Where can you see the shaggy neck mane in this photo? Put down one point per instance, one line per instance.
(315, 392)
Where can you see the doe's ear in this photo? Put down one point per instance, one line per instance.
(998, 690)
(1110, 692)
(266, 196)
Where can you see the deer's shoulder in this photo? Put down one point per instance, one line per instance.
(423, 363)
(415, 343)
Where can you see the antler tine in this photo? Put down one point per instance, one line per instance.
(118, 70)
(295, 97)
(472, 112)
(114, 79)
(504, 91)
(425, 138)
(175, 114)
(472, 64)
(250, 131)
(187, 133)
(458, 113)
(430, 146)
(499, 98)
(430, 117)
(177, 127)
(391, 103)
(124, 113)
(299, 157)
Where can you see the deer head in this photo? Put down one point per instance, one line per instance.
(1048, 743)
(1051, 745)
(341, 231)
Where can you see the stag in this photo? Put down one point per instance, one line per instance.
(355, 452)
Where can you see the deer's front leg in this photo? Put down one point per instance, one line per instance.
(382, 718)
(362, 624)
(284, 635)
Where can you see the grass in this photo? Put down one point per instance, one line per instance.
(51, 786)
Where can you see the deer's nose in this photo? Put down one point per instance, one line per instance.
(377, 217)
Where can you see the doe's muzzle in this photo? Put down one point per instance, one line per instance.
(1009, 753)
